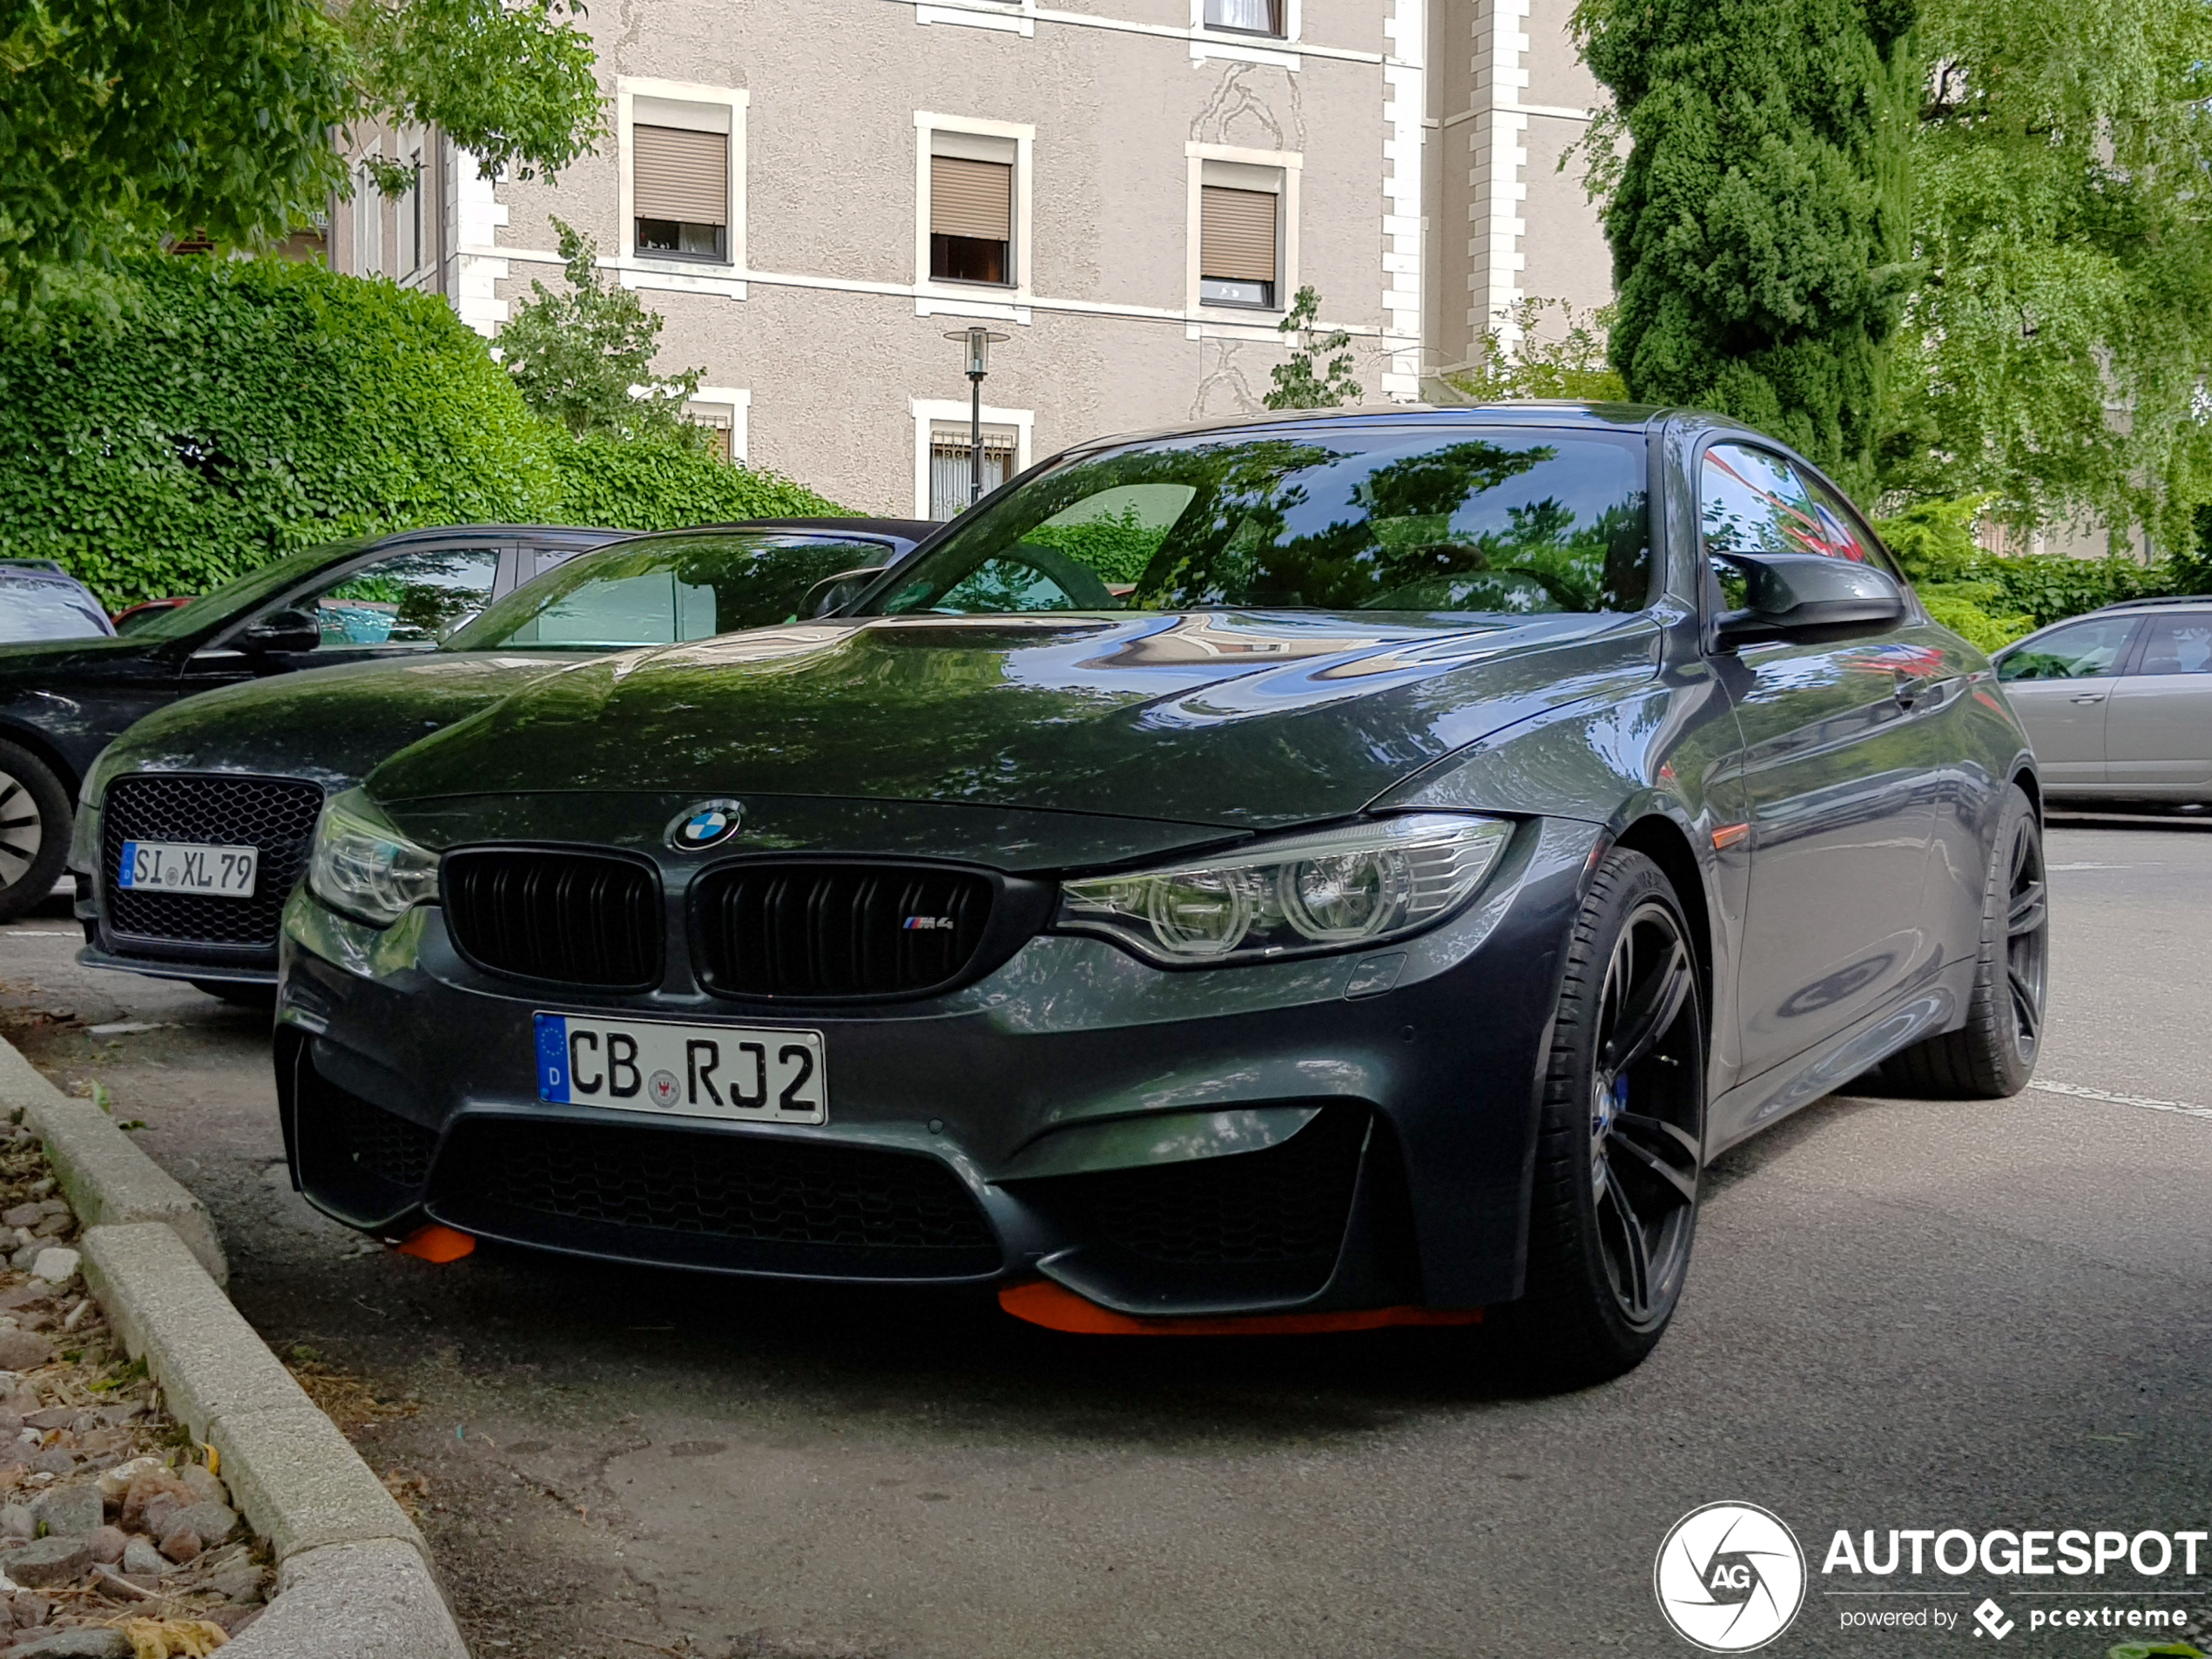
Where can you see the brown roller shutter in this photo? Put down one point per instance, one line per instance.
(1237, 234)
(680, 174)
(971, 199)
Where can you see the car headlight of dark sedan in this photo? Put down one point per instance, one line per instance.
(1338, 889)
(365, 868)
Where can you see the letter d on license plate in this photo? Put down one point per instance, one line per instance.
(682, 1070)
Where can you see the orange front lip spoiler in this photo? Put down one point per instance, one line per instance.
(436, 1243)
(1042, 1301)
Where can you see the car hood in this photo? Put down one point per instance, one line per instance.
(1246, 720)
(329, 724)
(39, 661)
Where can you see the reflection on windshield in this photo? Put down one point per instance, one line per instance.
(666, 591)
(1399, 517)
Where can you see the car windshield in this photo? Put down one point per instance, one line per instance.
(663, 589)
(1390, 516)
(235, 599)
(34, 609)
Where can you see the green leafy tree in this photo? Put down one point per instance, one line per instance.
(1539, 361)
(1758, 220)
(2055, 353)
(583, 358)
(1297, 384)
(126, 121)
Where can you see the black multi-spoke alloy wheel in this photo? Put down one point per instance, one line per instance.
(34, 830)
(1614, 1202)
(1993, 1054)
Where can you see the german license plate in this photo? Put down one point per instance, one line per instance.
(682, 1070)
(188, 866)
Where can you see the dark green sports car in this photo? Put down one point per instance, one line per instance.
(1336, 870)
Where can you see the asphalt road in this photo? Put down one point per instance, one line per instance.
(1902, 1314)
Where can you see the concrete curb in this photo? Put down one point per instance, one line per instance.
(354, 1575)
(107, 1181)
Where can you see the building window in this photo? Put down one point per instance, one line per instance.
(411, 220)
(1239, 235)
(721, 422)
(368, 226)
(952, 469)
(1246, 16)
(680, 184)
(971, 208)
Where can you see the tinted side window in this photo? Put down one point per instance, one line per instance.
(409, 599)
(2086, 651)
(2178, 644)
(1750, 502)
(1839, 535)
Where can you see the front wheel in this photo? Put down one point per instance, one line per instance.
(1992, 1055)
(1621, 1142)
(34, 830)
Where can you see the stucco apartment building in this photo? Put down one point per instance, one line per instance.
(815, 193)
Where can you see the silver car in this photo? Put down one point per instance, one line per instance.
(2118, 703)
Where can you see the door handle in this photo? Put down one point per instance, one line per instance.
(2090, 696)
(1910, 688)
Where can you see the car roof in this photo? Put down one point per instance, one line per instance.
(1549, 412)
(2146, 604)
(905, 529)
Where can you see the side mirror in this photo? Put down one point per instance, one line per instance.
(282, 631)
(833, 593)
(1807, 599)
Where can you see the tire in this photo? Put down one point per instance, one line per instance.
(1992, 1055)
(34, 830)
(1614, 1205)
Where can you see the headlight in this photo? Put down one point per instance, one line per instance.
(1338, 889)
(365, 868)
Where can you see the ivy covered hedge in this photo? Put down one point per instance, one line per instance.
(235, 410)
(641, 484)
(1993, 599)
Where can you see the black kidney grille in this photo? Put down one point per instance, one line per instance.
(837, 929)
(576, 918)
(277, 816)
(1288, 1204)
(754, 1188)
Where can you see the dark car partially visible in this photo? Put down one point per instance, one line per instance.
(233, 781)
(64, 699)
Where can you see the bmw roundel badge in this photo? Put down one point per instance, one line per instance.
(708, 824)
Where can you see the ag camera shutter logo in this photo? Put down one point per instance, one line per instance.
(1730, 1577)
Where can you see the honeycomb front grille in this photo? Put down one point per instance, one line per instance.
(837, 930)
(755, 1189)
(379, 1143)
(276, 815)
(576, 918)
(1286, 1205)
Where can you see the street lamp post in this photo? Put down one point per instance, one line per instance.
(976, 343)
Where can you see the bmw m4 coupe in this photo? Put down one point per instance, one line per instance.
(1339, 870)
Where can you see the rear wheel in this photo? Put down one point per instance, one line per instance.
(1994, 1055)
(34, 830)
(1614, 1201)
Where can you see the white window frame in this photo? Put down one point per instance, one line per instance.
(628, 90)
(1288, 163)
(949, 411)
(736, 402)
(1025, 139)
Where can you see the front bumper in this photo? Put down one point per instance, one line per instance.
(1339, 1132)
